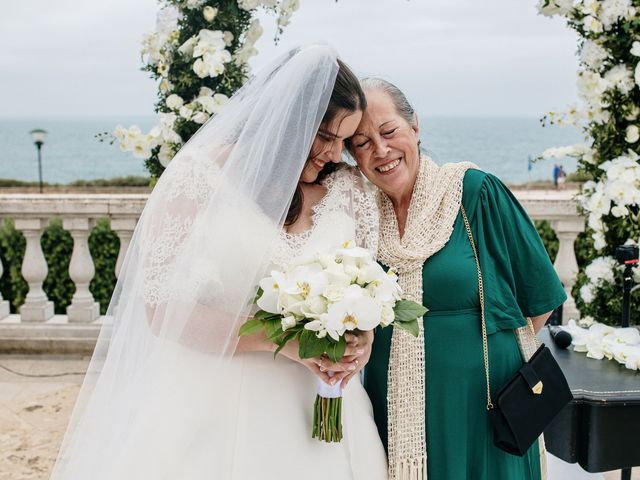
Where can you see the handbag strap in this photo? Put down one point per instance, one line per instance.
(485, 347)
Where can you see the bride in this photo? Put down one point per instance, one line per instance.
(171, 392)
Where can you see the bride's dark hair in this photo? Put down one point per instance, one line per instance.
(347, 95)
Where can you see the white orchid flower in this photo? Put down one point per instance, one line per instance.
(385, 288)
(354, 311)
(268, 301)
(305, 280)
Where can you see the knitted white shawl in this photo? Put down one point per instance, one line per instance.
(434, 206)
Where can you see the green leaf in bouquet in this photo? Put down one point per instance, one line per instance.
(250, 327)
(273, 328)
(258, 295)
(288, 336)
(336, 350)
(310, 345)
(407, 310)
(262, 315)
(410, 326)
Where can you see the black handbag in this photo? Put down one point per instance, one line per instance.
(531, 398)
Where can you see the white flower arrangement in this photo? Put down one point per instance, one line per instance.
(209, 53)
(601, 341)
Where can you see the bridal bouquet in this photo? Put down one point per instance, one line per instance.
(316, 301)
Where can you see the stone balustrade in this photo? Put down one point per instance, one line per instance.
(36, 328)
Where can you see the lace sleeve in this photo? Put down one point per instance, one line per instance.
(166, 229)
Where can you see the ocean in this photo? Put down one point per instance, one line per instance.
(496, 144)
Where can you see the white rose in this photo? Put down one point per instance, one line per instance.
(228, 38)
(165, 85)
(632, 134)
(288, 322)
(586, 293)
(248, 4)
(209, 13)
(213, 104)
(165, 155)
(601, 270)
(205, 92)
(186, 113)
(619, 211)
(387, 314)
(635, 49)
(174, 102)
(314, 306)
(334, 293)
(200, 117)
(620, 77)
(592, 24)
(636, 74)
(593, 55)
(200, 68)
(633, 114)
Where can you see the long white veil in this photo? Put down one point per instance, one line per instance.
(202, 243)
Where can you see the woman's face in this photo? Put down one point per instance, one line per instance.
(385, 146)
(329, 142)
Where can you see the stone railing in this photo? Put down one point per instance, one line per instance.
(36, 328)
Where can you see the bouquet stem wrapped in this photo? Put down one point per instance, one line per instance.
(327, 413)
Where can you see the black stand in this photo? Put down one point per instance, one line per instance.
(624, 322)
(626, 295)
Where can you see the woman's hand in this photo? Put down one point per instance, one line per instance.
(539, 321)
(355, 358)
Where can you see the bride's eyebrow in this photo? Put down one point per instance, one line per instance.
(327, 134)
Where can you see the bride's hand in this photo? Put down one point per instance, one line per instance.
(355, 358)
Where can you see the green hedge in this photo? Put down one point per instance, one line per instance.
(57, 246)
(104, 244)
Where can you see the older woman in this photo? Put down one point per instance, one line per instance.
(430, 394)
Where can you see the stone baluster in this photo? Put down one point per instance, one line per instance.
(36, 307)
(83, 307)
(566, 264)
(124, 227)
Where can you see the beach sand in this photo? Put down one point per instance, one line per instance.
(34, 412)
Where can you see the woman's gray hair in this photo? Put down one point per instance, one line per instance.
(403, 107)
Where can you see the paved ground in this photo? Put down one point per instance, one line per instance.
(34, 412)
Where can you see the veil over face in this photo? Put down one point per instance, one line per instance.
(202, 244)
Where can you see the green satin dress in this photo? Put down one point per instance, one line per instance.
(519, 281)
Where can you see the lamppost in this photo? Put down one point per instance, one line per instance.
(38, 135)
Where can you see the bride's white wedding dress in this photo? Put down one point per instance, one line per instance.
(165, 396)
(264, 422)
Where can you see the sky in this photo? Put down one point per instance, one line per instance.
(463, 58)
